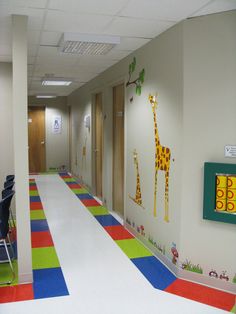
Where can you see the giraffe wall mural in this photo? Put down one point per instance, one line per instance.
(162, 161)
(138, 196)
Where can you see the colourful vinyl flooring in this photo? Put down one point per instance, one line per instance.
(48, 279)
(153, 270)
(105, 269)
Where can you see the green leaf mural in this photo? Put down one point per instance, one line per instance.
(139, 80)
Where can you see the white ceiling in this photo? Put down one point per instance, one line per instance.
(135, 21)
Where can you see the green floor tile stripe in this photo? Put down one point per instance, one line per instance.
(133, 248)
(37, 215)
(45, 257)
(80, 191)
(33, 193)
(98, 210)
(69, 180)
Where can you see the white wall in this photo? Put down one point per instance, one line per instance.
(6, 121)
(163, 76)
(209, 125)
(192, 67)
(57, 145)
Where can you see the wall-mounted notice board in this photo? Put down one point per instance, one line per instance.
(219, 201)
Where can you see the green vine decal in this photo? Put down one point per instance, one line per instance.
(138, 82)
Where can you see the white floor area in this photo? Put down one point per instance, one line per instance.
(99, 277)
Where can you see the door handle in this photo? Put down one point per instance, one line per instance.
(42, 142)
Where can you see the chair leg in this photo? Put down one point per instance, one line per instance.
(11, 266)
(10, 243)
(12, 218)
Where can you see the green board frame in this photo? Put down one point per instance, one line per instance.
(210, 171)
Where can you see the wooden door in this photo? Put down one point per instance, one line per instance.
(118, 149)
(36, 139)
(98, 144)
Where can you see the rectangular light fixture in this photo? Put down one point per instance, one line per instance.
(46, 96)
(48, 82)
(87, 44)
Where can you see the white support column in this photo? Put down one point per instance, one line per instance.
(20, 133)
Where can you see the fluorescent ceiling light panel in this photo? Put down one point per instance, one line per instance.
(48, 82)
(87, 44)
(46, 96)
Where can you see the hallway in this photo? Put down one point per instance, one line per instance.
(99, 276)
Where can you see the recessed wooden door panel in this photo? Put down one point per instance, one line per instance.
(98, 144)
(118, 149)
(36, 139)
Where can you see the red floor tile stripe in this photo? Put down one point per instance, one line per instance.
(33, 188)
(16, 293)
(185, 289)
(118, 232)
(90, 202)
(36, 206)
(75, 186)
(203, 294)
(41, 239)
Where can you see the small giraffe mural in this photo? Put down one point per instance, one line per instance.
(162, 161)
(138, 196)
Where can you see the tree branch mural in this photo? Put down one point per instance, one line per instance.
(139, 80)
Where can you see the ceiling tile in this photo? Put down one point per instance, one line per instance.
(5, 35)
(30, 60)
(132, 27)
(130, 43)
(50, 38)
(35, 16)
(99, 61)
(217, 6)
(85, 77)
(30, 69)
(173, 10)
(25, 3)
(32, 50)
(33, 37)
(118, 54)
(55, 61)
(5, 50)
(109, 7)
(5, 58)
(60, 22)
(90, 68)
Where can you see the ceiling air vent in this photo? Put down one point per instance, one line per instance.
(87, 44)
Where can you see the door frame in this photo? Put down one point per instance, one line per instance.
(93, 134)
(42, 107)
(114, 84)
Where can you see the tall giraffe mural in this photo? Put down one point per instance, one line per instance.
(138, 196)
(162, 161)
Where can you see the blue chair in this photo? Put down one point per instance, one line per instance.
(10, 177)
(8, 186)
(4, 233)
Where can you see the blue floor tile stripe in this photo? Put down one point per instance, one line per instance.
(107, 220)
(85, 196)
(48, 283)
(35, 199)
(155, 272)
(39, 225)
